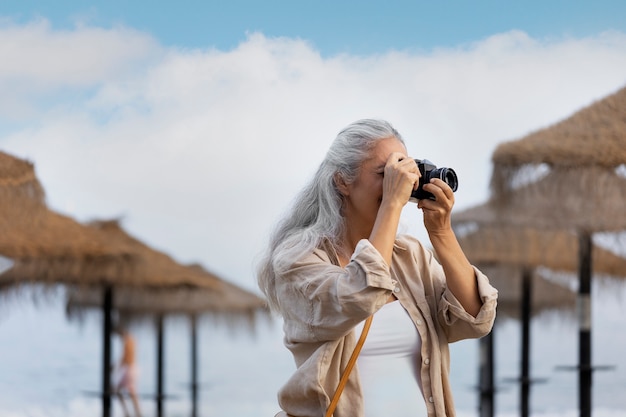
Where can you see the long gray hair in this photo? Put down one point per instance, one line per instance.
(316, 212)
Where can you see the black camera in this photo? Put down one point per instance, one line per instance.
(430, 171)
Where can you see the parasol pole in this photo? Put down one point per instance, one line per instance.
(584, 325)
(486, 375)
(107, 307)
(194, 366)
(160, 396)
(525, 366)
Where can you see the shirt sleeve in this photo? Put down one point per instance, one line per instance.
(321, 301)
(458, 323)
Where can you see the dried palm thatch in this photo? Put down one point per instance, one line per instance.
(572, 174)
(169, 287)
(46, 246)
(575, 141)
(153, 268)
(589, 199)
(547, 296)
(53, 249)
(491, 243)
(49, 248)
(229, 303)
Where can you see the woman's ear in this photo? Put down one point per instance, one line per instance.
(341, 185)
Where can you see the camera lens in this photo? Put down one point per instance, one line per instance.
(430, 171)
(447, 175)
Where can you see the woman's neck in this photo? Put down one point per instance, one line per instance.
(348, 242)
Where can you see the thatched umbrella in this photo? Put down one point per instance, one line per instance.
(52, 249)
(572, 175)
(522, 293)
(546, 297)
(135, 305)
(49, 248)
(509, 256)
(206, 293)
(485, 241)
(46, 246)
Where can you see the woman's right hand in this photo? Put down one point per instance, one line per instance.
(400, 179)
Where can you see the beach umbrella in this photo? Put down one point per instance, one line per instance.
(206, 295)
(522, 294)
(486, 241)
(508, 259)
(571, 175)
(547, 296)
(48, 248)
(45, 246)
(511, 254)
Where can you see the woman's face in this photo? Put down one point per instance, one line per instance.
(363, 197)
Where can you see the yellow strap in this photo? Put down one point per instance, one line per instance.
(351, 362)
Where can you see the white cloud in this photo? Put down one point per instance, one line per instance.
(201, 150)
(81, 57)
(40, 64)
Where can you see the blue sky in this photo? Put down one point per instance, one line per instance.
(197, 122)
(358, 27)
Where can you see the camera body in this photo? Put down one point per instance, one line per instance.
(430, 171)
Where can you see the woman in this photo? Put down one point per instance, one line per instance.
(336, 259)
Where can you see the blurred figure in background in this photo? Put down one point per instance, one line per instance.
(125, 372)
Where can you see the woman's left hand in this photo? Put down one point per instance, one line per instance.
(460, 276)
(437, 212)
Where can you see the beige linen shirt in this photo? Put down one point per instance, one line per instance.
(321, 303)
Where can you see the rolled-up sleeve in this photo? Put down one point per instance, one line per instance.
(458, 323)
(321, 301)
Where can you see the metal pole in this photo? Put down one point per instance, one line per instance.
(107, 307)
(525, 369)
(584, 322)
(486, 383)
(194, 367)
(159, 399)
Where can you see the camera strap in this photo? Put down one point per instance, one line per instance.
(351, 363)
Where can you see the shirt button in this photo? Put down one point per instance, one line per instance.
(431, 399)
(427, 361)
(397, 289)
(419, 322)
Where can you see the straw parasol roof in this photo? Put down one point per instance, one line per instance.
(547, 296)
(153, 268)
(171, 288)
(574, 141)
(46, 246)
(487, 241)
(50, 248)
(571, 175)
(502, 252)
(581, 165)
(184, 300)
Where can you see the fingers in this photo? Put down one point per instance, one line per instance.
(438, 187)
(401, 177)
(405, 164)
(441, 191)
(401, 160)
